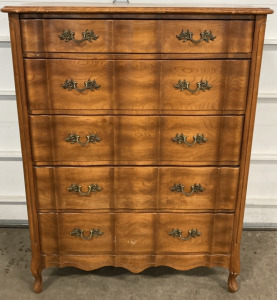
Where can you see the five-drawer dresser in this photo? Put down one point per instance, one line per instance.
(136, 126)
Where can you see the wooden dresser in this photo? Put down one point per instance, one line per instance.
(136, 126)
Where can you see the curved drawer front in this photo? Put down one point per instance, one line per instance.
(117, 86)
(60, 233)
(137, 36)
(135, 188)
(181, 233)
(123, 233)
(142, 140)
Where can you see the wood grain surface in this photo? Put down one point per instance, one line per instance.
(137, 36)
(131, 189)
(136, 59)
(135, 140)
(56, 238)
(136, 263)
(178, 9)
(132, 85)
(215, 230)
(126, 233)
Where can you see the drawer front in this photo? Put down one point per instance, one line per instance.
(141, 233)
(57, 234)
(135, 188)
(199, 233)
(230, 36)
(137, 36)
(136, 140)
(135, 233)
(150, 85)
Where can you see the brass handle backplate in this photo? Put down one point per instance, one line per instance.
(77, 232)
(184, 85)
(89, 85)
(76, 188)
(74, 138)
(193, 233)
(188, 36)
(179, 188)
(180, 138)
(68, 35)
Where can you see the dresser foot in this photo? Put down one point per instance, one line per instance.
(232, 283)
(37, 287)
(36, 268)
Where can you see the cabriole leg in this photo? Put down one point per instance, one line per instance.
(232, 283)
(36, 268)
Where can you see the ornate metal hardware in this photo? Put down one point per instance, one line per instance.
(89, 85)
(74, 138)
(77, 232)
(187, 35)
(179, 188)
(68, 35)
(184, 85)
(178, 233)
(180, 138)
(76, 188)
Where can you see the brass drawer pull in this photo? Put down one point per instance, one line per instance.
(187, 35)
(89, 85)
(180, 138)
(184, 85)
(69, 35)
(74, 138)
(178, 233)
(179, 188)
(77, 232)
(76, 188)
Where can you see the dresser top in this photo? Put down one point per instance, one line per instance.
(182, 8)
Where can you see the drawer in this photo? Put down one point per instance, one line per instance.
(137, 36)
(182, 233)
(141, 233)
(129, 86)
(57, 234)
(141, 140)
(61, 233)
(136, 188)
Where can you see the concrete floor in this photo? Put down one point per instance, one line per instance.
(257, 280)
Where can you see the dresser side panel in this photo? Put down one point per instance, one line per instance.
(247, 139)
(15, 32)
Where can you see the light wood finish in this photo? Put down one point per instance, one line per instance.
(220, 186)
(246, 146)
(136, 263)
(179, 9)
(136, 85)
(215, 233)
(36, 262)
(231, 37)
(136, 140)
(145, 56)
(143, 36)
(137, 233)
(55, 234)
(130, 188)
(136, 162)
